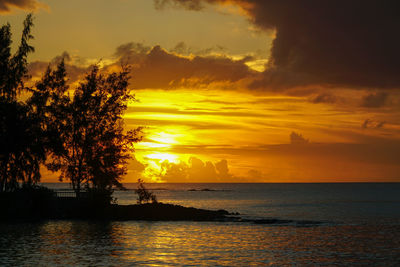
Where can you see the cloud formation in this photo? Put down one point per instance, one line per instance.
(368, 123)
(344, 43)
(376, 160)
(195, 171)
(298, 139)
(75, 70)
(183, 49)
(324, 98)
(157, 68)
(374, 100)
(31, 5)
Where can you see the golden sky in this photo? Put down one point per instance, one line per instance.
(239, 90)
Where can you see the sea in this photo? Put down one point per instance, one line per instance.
(349, 224)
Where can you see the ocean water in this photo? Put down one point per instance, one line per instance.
(360, 227)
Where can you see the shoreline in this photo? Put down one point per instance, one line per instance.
(38, 204)
(35, 206)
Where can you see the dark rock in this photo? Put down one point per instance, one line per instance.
(163, 212)
(33, 206)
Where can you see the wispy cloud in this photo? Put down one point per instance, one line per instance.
(7, 6)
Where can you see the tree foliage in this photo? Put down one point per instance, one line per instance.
(91, 148)
(14, 68)
(21, 150)
(78, 132)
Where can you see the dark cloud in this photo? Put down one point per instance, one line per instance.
(374, 100)
(183, 49)
(31, 5)
(189, 4)
(158, 68)
(364, 125)
(180, 48)
(130, 49)
(64, 56)
(74, 71)
(368, 123)
(346, 43)
(155, 67)
(324, 98)
(298, 139)
(380, 124)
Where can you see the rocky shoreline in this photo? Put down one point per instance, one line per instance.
(164, 212)
(22, 208)
(33, 206)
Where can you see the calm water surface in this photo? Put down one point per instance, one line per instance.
(361, 227)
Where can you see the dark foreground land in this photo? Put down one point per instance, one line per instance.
(161, 211)
(43, 204)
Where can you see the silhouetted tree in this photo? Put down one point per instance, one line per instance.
(21, 150)
(91, 148)
(14, 68)
(81, 129)
(50, 101)
(103, 100)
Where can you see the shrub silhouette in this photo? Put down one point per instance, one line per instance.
(144, 195)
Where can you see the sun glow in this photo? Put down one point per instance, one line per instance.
(161, 157)
(155, 150)
(164, 138)
(154, 165)
(159, 140)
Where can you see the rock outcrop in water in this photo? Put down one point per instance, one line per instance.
(164, 212)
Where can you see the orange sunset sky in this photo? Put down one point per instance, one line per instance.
(238, 90)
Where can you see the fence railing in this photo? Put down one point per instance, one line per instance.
(69, 193)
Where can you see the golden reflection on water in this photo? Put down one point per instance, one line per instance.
(72, 241)
(81, 243)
